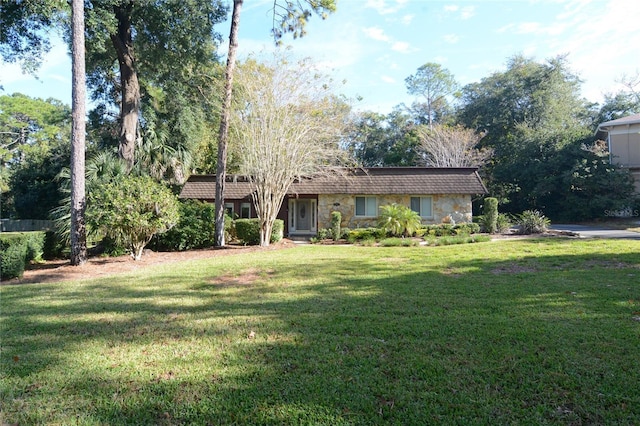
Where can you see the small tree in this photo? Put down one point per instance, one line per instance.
(287, 125)
(399, 220)
(132, 211)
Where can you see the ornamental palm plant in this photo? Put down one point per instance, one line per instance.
(399, 220)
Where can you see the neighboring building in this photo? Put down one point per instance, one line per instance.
(623, 138)
(357, 194)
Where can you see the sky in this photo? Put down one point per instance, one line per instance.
(374, 45)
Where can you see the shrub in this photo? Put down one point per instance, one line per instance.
(460, 239)
(532, 222)
(248, 231)
(13, 255)
(361, 234)
(336, 219)
(324, 233)
(132, 210)
(503, 223)
(53, 247)
(398, 242)
(195, 229)
(490, 214)
(466, 228)
(398, 220)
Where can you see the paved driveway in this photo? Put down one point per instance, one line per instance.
(597, 232)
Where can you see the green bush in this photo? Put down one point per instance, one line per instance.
(324, 233)
(336, 219)
(13, 255)
(53, 247)
(460, 239)
(277, 233)
(532, 222)
(466, 228)
(132, 210)
(503, 223)
(248, 231)
(195, 229)
(361, 234)
(490, 214)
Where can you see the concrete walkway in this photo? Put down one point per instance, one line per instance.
(597, 232)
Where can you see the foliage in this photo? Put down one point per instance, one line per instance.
(398, 220)
(195, 228)
(434, 83)
(336, 219)
(503, 223)
(397, 242)
(459, 239)
(287, 125)
(17, 249)
(532, 222)
(376, 140)
(13, 249)
(360, 234)
(132, 210)
(490, 215)
(53, 247)
(34, 147)
(248, 231)
(446, 146)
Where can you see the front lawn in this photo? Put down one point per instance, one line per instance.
(510, 332)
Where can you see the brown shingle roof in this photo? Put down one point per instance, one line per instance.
(377, 180)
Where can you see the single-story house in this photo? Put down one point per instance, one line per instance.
(357, 194)
(623, 139)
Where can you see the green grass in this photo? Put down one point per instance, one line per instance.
(508, 332)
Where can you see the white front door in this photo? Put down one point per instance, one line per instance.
(302, 216)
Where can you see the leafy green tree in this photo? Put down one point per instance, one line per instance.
(132, 210)
(529, 113)
(35, 138)
(398, 220)
(377, 140)
(434, 83)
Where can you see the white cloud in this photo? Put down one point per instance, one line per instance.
(385, 7)
(407, 19)
(451, 8)
(401, 46)
(375, 33)
(467, 12)
(388, 79)
(451, 38)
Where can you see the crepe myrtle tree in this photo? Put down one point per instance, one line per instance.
(287, 125)
(132, 210)
(446, 146)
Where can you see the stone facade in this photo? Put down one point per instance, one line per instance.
(457, 206)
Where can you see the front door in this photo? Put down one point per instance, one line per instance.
(302, 216)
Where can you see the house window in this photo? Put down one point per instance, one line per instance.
(228, 209)
(366, 206)
(422, 206)
(245, 210)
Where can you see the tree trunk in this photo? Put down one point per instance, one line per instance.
(78, 196)
(129, 85)
(223, 136)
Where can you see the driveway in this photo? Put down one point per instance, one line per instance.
(597, 232)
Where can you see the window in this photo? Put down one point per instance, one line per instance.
(245, 210)
(366, 206)
(228, 209)
(422, 206)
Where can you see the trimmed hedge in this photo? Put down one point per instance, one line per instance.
(17, 249)
(447, 230)
(248, 231)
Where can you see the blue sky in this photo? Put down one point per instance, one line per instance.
(375, 44)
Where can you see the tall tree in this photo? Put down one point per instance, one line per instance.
(444, 146)
(434, 83)
(288, 125)
(221, 170)
(290, 17)
(78, 196)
